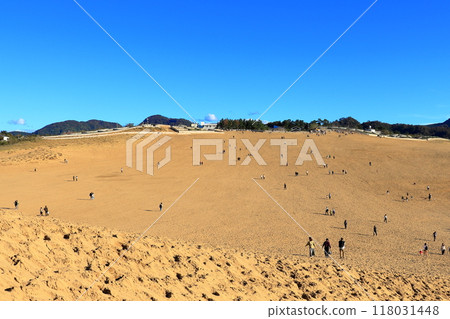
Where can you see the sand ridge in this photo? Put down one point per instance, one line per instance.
(43, 258)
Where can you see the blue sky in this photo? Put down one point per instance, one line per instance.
(226, 58)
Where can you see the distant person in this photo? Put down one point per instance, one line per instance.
(46, 210)
(428, 188)
(307, 173)
(76, 178)
(425, 249)
(41, 211)
(121, 169)
(326, 247)
(326, 210)
(434, 236)
(312, 247)
(73, 178)
(160, 206)
(16, 204)
(91, 195)
(442, 249)
(296, 173)
(345, 224)
(285, 187)
(387, 192)
(370, 163)
(385, 218)
(375, 233)
(333, 212)
(341, 248)
(429, 196)
(329, 195)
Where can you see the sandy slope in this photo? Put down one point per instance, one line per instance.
(227, 209)
(43, 258)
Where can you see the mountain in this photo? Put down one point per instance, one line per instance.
(159, 119)
(446, 124)
(75, 126)
(19, 133)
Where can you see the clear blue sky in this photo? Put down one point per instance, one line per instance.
(227, 58)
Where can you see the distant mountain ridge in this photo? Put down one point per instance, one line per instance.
(446, 123)
(72, 126)
(159, 119)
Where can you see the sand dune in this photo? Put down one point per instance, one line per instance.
(43, 258)
(229, 213)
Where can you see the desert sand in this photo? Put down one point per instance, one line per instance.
(225, 218)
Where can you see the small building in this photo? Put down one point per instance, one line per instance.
(4, 138)
(208, 126)
(194, 125)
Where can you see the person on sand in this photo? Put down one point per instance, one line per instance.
(326, 210)
(370, 163)
(375, 233)
(434, 236)
(91, 195)
(345, 224)
(46, 210)
(326, 247)
(429, 196)
(385, 218)
(442, 249)
(160, 206)
(425, 249)
(333, 212)
(312, 247)
(41, 211)
(121, 169)
(428, 188)
(285, 187)
(16, 204)
(341, 248)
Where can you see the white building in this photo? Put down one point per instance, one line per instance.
(4, 138)
(208, 126)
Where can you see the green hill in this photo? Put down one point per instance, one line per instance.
(159, 119)
(75, 126)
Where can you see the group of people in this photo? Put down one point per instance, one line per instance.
(326, 246)
(44, 211)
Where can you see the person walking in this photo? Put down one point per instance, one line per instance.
(429, 196)
(285, 187)
(385, 218)
(345, 224)
(425, 249)
(46, 210)
(326, 247)
(160, 206)
(434, 236)
(16, 204)
(375, 233)
(91, 195)
(442, 249)
(41, 211)
(312, 247)
(341, 248)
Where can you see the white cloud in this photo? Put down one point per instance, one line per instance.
(17, 122)
(210, 118)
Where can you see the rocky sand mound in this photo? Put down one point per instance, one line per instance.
(42, 258)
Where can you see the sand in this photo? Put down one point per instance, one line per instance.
(227, 213)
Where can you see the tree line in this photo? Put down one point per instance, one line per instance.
(436, 130)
